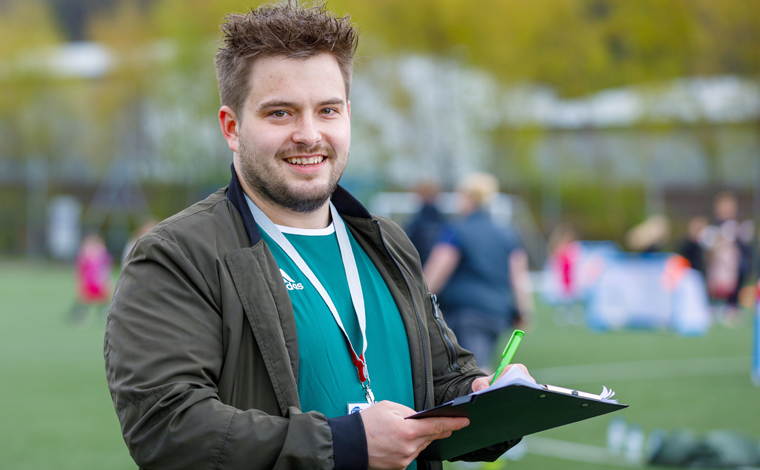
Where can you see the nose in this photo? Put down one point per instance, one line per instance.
(307, 131)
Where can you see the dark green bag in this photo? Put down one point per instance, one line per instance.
(718, 449)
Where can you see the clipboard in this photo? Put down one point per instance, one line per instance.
(513, 407)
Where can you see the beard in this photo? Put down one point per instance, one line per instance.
(263, 175)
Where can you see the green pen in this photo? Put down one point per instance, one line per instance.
(509, 352)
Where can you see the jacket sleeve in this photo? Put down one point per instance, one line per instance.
(164, 351)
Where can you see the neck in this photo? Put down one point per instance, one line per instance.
(319, 218)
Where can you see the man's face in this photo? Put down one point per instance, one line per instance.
(295, 131)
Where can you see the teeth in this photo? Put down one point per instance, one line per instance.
(305, 160)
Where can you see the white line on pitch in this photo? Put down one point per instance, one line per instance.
(574, 451)
(643, 370)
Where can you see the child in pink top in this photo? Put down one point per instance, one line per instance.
(93, 271)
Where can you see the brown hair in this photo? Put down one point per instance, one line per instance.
(280, 29)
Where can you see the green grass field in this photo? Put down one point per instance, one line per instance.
(56, 412)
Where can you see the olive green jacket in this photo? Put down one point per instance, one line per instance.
(201, 349)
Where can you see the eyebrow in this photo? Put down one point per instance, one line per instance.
(290, 104)
(338, 101)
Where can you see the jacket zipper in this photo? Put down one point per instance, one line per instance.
(452, 351)
(416, 312)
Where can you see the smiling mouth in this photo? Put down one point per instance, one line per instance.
(305, 161)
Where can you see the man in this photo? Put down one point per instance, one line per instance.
(245, 329)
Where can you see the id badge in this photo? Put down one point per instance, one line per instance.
(357, 407)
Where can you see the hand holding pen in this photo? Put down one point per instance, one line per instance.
(506, 358)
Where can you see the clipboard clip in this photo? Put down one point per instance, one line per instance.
(464, 400)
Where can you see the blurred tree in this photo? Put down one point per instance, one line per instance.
(28, 108)
(160, 97)
(728, 39)
(576, 46)
(117, 102)
(16, 19)
(185, 92)
(728, 43)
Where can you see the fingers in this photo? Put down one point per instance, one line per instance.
(484, 382)
(481, 382)
(424, 442)
(519, 366)
(393, 442)
(429, 427)
(433, 429)
(392, 407)
(525, 369)
(383, 414)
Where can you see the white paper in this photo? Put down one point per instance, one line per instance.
(516, 376)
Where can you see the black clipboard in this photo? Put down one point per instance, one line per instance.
(516, 410)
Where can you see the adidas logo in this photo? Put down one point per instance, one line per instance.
(290, 283)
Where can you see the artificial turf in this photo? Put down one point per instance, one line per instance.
(56, 412)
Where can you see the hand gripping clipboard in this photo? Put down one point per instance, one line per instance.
(513, 407)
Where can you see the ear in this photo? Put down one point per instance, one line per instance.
(349, 109)
(229, 122)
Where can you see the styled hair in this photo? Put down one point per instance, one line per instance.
(280, 29)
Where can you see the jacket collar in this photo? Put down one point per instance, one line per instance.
(343, 200)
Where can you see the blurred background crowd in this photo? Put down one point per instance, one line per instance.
(606, 152)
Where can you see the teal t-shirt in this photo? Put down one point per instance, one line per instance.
(327, 379)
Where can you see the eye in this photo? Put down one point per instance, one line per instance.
(279, 113)
(329, 111)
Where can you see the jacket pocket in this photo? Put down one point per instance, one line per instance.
(450, 349)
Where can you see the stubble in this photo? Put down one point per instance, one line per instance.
(264, 176)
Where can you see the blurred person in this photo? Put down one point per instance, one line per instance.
(237, 337)
(93, 273)
(564, 255)
(691, 247)
(144, 228)
(745, 235)
(650, 236)
(480, 271)
(427, 223)
(728, 255)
